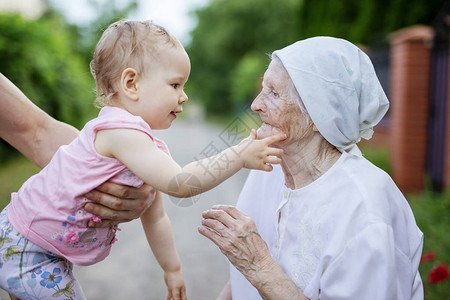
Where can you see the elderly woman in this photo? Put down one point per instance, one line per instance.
(328, 224)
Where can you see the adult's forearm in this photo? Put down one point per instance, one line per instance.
(28, 128)
(273, 283)
(52, 135)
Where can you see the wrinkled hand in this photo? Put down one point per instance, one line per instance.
(237, 237)
(176, 288)
(116, 203)
(256, 154)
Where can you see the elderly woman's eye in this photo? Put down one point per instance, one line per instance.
(275, 93)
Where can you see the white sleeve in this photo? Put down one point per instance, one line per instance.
(365, 269)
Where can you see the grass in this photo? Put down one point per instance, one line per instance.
(12, 175)
(432, 213)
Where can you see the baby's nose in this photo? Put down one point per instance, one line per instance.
(184, 97)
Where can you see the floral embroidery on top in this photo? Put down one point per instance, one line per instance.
(78, 237)
(310, 245)
(71, 237)
(96, 219)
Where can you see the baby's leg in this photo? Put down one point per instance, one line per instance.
(30, 272)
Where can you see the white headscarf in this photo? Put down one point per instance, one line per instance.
(339, 88)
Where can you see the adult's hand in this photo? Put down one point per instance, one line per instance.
(116, 203)
(237, 237)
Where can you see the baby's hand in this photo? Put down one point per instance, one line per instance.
(176, 287)
(256, 154)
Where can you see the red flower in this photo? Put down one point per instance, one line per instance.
(428, 256)
(438, 274)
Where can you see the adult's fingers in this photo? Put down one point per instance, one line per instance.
(215, 225)
(211, 235)
(109, 194)
(220, 215)
(107, 223)
(109, 213)
(231, 210)
(124, 191)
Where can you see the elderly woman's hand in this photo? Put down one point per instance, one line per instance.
(237, 237)
(116, 203)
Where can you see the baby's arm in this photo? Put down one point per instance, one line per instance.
(138, 152)
(158, 230)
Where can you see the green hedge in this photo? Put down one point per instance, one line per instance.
(41, 57)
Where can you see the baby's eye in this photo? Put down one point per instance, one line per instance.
(175, 85)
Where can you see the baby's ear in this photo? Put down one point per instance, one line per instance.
(129, 83)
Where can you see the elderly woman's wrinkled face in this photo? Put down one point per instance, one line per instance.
(278, 106)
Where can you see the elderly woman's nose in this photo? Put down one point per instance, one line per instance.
(257, 104)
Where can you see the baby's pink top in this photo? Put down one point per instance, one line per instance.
(48, 208)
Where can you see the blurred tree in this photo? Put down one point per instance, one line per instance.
(226, 31)
(230, 32)
(48, 59)
(38, 57)
(109, 12)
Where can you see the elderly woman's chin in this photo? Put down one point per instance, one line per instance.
(267, 130)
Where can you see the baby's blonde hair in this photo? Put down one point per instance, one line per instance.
(125, 44)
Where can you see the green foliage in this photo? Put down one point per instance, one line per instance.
(109, 12)
(379, 157)
(244, 78)
(230, 32)
(13, 174)
(48, 60)
(226, 31)
(432, 213)
(38, 57)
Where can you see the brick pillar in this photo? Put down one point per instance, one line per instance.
(409, 95)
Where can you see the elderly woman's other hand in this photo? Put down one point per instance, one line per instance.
(117, 204)
(237, 237)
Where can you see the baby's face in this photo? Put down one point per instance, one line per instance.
(161, 89)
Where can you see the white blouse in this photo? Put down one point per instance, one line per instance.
(350, 234)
